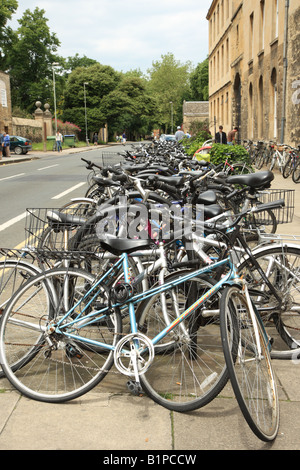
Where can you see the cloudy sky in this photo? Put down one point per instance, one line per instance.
(127, 34)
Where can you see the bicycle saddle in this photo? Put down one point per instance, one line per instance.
(207, 198)
(212, 211)
(254, 180)
(62, 220)
(117, 246)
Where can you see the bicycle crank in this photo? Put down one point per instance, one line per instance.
(133, 355)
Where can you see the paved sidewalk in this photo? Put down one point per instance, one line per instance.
(111, 419)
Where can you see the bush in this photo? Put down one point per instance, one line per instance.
(232, 153)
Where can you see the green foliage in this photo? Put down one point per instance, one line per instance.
(233, 153)
(199, 82)
(194, 143)
(169, 82)
(30, 58)
(7, 8)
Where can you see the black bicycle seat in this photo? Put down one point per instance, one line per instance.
(253, 180)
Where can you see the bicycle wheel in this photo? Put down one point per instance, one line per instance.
(281, 265)
(259, 161)
(249, 364)
(296, 172)
(13, 274)
(49, 364)
(188, 369)
(239, 169)
(288, 167)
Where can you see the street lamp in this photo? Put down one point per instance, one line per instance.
(86, 130)
(55, 64)
(171, 103)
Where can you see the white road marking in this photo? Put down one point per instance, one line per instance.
(12, 221)
(59, 196)
(46, 167)
(10, 177)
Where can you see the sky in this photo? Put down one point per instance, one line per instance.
(129, 34)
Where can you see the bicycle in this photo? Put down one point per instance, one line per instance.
(55, 336)
(278, 158)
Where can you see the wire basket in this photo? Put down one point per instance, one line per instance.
(111, 158)
(284, 215)
(53, 229)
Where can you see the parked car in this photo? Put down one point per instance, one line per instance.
(167, 138)
(20, 145)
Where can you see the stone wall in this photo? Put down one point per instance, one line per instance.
(194, 111)
(28, 128)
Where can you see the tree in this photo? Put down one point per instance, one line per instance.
(169, 82)
(7, 8)
(76, 61)
(30, 60)
(100, 80)
(199, 82)
(129, 107)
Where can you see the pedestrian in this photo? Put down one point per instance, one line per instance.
(124, 138)
(95, 138)
(6, 144)
(220, 137)
(232, 136)
(59, 139)
(2, 146)
(179, 134)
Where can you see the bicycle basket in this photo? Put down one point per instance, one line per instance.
(284, 215)
(111, 158)
(46, 231)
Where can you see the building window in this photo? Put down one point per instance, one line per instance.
(274, 102)
(261, 108)
(251, 36)
(3, 96)
(250, 113)
(262, 25)
(227, 55)
(275, 18)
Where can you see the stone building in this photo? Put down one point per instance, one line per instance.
(194, 111)
(254, 64)
(5, 104)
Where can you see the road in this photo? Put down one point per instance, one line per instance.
(48, 182)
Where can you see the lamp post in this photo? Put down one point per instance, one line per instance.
(171, 103)
(55, 64)
(86, 130)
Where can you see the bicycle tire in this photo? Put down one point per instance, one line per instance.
(288, 168)
(249, 364)
(188, 370)
(296, 172)
(281, 264)
(14, 273)
(55, 368)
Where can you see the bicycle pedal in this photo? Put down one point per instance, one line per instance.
(71, 352)
(135, 388)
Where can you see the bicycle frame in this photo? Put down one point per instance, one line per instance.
(231, 276)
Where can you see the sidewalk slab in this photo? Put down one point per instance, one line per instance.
(93, 422)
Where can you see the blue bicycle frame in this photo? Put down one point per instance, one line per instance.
(90, 318)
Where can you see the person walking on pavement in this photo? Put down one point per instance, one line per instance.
(232, 136)
(6, 144)
(58, 141)
(221, 137)
(179, 135)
